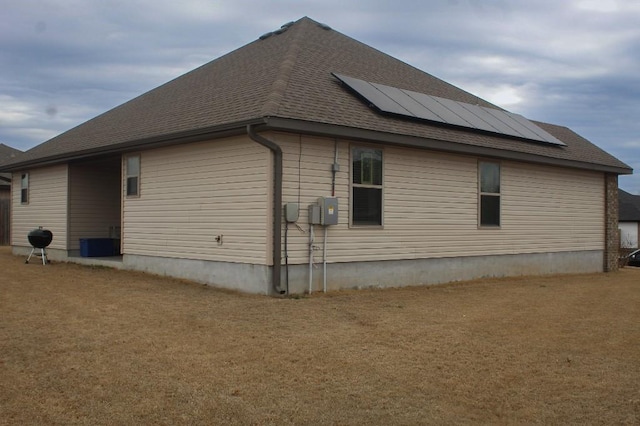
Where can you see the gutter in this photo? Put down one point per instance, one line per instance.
(373, 136)
(277, 206)
(197, 135)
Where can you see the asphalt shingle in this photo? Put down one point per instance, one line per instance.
(628, 207)
(288, 75)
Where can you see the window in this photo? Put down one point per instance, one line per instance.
(24, 188)
(366, 188)
(133, 176)
(489, 193)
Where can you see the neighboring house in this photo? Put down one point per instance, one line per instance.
(6, 154)
(629, 219)
(200, 174)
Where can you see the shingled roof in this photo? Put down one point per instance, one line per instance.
(8, 153)
(628, 207)
(284, 81)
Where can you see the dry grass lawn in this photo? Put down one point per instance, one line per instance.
(91, 346)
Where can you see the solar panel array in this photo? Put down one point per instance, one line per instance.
(393, 100)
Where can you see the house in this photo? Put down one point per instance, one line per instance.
(6, 154)
(216, 175)
(629, 219)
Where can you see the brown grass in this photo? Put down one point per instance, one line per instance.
(82, 345)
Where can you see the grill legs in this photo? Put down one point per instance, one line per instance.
(42, 254)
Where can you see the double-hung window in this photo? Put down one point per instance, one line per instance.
(489, 194)
(133, 175)
(24, 188)
(366, 186)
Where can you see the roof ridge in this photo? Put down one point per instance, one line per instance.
(286, 74)
(281, 82)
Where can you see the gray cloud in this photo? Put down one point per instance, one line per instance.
(572, 63)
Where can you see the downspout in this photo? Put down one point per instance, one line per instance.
(277, 206)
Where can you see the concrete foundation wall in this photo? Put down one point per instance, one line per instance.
(245, 277)
(53, 254)
(391, 273)
(399, 273)
(380, 274)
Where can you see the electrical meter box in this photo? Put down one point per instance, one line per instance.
(328, 210)
(314, 214)
(291, 212)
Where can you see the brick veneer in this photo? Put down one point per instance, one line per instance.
(611, 232)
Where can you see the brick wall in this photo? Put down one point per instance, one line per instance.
(611, 233)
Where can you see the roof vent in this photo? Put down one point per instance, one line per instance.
(282, 29)
(324, 26)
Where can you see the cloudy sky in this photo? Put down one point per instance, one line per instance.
(570, 62)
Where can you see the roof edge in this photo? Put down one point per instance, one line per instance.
(314, 128)
(322, 129)
(229, 129)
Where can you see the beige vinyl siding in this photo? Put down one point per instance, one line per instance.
(430, 203)
(307, 175)
(47, 207)
(553, 209)
(94, 201)
(191, 193)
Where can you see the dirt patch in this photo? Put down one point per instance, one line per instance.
(81, 345)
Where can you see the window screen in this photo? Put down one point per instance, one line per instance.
(489, 193)
(133, 176)
(366, 196)
(24, 188)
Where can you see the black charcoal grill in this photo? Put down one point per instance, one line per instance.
(39, 240)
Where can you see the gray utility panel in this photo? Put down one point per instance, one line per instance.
(328, 210)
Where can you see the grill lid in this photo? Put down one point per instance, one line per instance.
(40, 238)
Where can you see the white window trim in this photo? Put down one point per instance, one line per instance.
(23, 188)
(127, 176)
(359, 185)
(493, 194)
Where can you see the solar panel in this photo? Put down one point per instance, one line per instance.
(536, 129)
(407, 103)
(492, 120)
(431, 103)
(474, 118)
(508, 120)
(374, 96)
